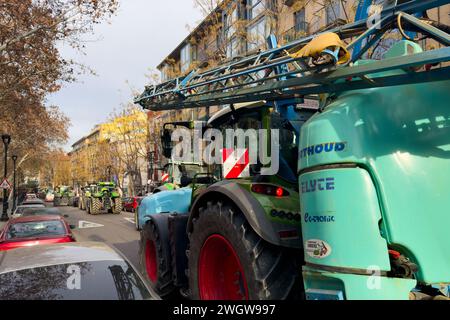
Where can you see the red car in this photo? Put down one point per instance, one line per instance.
(131, 203)
(35, 230)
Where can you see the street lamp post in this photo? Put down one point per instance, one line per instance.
(6, 141)
(14, 158)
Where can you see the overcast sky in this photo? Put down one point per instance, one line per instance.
(139, 37)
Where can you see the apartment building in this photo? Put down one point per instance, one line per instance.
(83, 158)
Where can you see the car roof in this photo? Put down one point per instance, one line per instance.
(32, 202)
(56, 254)
(36, 205)
(41, 209)
(35, 218)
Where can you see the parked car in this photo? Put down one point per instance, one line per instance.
(33, 202)
(30, 196)
(35, 230)
(19, 210)
(131, 203)
(78, 271)
(27, 212)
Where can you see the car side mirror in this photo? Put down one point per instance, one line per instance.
(72, 226)
(66, 216)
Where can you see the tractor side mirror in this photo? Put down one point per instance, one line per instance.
(166, 143)
(185, 181)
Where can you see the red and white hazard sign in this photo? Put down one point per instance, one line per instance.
(236, 163)
(165, 177)
(5, 184)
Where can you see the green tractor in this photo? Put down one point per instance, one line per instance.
(103, 197)
(85, 194)
(64, 196)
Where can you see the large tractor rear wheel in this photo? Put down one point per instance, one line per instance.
(156, 260)
(95, 206)
(117, 206)
(229, 261)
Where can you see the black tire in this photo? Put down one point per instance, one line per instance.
(56, 202)
(162, 284)
(136, 220)
(88, 206)
(117, 206)
(271, 272)
(95, 206)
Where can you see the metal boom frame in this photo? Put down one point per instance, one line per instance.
(258, 77)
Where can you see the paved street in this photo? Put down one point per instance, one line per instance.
(115, 230)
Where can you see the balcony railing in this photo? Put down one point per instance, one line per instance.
(298, 31)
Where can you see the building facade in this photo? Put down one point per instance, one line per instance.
(114, 151)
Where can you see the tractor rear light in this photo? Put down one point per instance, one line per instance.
(288, 234)
(270, 190)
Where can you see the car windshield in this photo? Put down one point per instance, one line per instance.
(23, 230)
(99, 280)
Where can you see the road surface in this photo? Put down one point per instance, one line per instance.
(116, 230)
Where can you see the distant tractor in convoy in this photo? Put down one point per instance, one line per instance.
(104, 198)
(85, 194)
(63, 196)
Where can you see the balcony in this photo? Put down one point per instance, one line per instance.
(298, 31)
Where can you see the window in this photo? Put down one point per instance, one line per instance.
(230, 23)
(300, 21)
(185, 58)
(257, 34)
(255, 8)
(164, 73)
(333, 11)
(233, 48)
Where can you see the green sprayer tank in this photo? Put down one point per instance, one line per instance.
(374, 175)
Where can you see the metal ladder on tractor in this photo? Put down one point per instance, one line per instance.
(277, 75)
